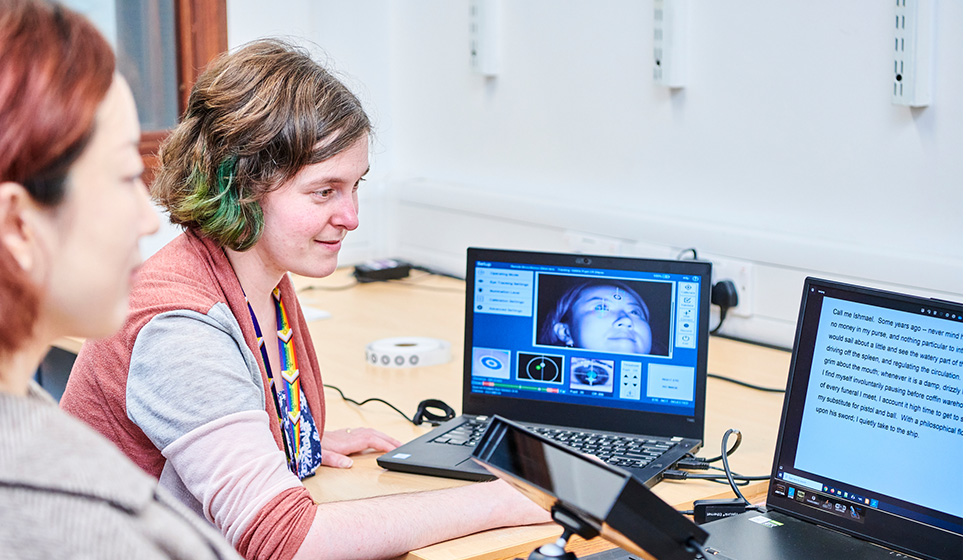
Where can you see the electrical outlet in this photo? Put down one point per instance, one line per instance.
(913, 52)
(590, 244)
(739, 272)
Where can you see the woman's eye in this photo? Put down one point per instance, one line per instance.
(601, 307)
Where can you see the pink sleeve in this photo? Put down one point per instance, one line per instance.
(234, 468)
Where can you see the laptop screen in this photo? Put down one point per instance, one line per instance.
(608, 332)
(872, 431)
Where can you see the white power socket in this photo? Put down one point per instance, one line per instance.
(913, 52)
(739, 272)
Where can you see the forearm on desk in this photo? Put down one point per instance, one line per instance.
(263, 509)
(387, 526)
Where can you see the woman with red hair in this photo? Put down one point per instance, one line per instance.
(72, 208)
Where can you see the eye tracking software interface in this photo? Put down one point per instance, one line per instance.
(616, 339)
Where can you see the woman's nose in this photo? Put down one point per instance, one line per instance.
(348, 214)
(623, 320)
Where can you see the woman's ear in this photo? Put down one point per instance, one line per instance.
(15, 231)
(562, 332)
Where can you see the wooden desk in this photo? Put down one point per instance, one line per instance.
(432, 306)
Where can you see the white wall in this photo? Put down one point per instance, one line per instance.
(783, 151)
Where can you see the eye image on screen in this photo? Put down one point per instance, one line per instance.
(606, 315)
(490, 362)
(592, 375)
(538, 367)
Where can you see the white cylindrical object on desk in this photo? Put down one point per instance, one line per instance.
(408, 351)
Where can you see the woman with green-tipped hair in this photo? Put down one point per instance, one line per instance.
(213, 385)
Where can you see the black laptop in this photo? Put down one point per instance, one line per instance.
(606, 354)
(869, 461)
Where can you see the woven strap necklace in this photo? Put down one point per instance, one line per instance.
(303, 449)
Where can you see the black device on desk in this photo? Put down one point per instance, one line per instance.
(632, 393)
(869, 461)
(585, 495)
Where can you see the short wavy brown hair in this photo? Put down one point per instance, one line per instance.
(255, 117)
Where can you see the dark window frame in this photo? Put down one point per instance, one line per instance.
(201, 34)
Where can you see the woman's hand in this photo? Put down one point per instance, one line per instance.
(338, 444)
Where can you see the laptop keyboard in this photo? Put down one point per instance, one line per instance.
(468, 434)
(621, 451)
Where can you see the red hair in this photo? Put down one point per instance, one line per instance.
(55, 69)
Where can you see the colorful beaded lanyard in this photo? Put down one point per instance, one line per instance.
(303, 450)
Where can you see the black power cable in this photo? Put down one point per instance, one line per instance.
(723, 452)
(746, 384)
(724, 294)
(724, 461)
(426, 411)
(373, 399)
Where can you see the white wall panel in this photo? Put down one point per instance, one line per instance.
(784, 149)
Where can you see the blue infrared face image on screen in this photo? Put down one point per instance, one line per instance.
(625, 339)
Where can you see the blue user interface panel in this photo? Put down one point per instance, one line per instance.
(609, 338)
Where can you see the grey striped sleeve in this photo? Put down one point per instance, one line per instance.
(189, 369)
